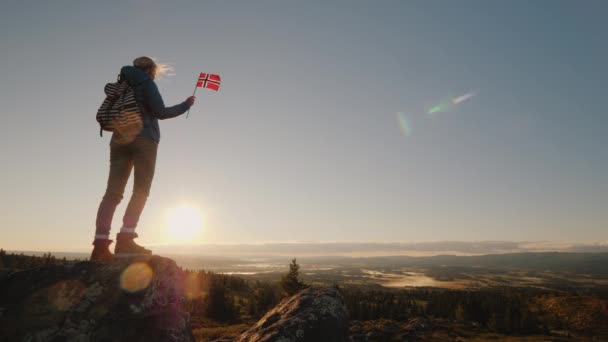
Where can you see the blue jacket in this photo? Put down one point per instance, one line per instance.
(147, 95)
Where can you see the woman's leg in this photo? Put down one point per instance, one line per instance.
(144, 158)
(121, 165)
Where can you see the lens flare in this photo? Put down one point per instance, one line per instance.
(404, 124)
(448, 104)
(192, 286)
(442, 107)
(136, 277)
(461, 99)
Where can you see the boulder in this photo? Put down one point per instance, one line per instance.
(127, 299)
(314, 314)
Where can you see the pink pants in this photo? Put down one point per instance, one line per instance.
(141, 156)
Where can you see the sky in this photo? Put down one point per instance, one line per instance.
(357, 121)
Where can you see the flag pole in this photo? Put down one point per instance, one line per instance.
(194, 92)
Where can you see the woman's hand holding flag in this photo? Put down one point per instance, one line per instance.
(210, 81)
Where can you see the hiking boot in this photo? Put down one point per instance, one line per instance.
(125, 246)
(101, 251)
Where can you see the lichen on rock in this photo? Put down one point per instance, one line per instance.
(91, 301)
(314, 314)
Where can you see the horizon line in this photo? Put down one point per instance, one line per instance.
(393, 248)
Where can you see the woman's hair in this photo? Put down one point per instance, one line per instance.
(156, 70)
(145, 63)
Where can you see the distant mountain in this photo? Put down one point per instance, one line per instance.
(595, 264)
(371, 249)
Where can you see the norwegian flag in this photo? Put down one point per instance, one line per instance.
(210, 81)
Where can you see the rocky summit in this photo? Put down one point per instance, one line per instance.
(142, 299)
(315, 315)
(127, 299)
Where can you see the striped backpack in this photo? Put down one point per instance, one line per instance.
(120, 113)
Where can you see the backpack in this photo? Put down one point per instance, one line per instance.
(120, 113)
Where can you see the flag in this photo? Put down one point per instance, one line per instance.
(209, 81)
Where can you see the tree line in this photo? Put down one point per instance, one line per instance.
(228, 298)
(16, 262)
(504, 310)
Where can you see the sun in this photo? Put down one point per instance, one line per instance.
(184, 223)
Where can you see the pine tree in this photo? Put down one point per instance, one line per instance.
(219, 304)
(291, 282)
(266, 297)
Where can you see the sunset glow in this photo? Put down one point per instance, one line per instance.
(184, 223)
(360, 121)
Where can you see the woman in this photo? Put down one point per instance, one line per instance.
(133, 151)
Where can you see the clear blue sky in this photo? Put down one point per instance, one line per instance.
(302, 142)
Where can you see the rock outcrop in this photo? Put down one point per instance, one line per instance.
(128, 299)
(142, 299)
(315, 315)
